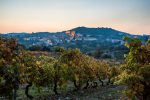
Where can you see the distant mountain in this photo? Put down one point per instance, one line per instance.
(87, 39)
(103, 32)
(76, 34)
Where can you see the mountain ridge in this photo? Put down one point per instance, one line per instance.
(77, 28)
(100, 35)
(88, 40)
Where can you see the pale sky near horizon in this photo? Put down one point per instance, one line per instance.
(132, 16)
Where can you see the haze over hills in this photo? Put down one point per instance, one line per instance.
(88, 40)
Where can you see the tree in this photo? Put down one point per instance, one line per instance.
(98, 53)
(112, 73)
(88, 70)
(101, 70)
(74, 60)
(52, 72)
(59, 75)
(30, 71)
(35, 48)
(82, 69)
(10, 58)
(17, 66)
(136, 71)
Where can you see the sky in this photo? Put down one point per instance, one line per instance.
(132, 16)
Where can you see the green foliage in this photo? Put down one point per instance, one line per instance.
(113, 72)
(20, 67)
(98, 53)
(35, 48)
(73, 58)
(83, 68)
(136, 72)
(10, 61)
(52, 72)
(59, 49)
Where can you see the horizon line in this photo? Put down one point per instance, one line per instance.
(30, 32)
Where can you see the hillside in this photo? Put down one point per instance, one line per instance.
(89, 40)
